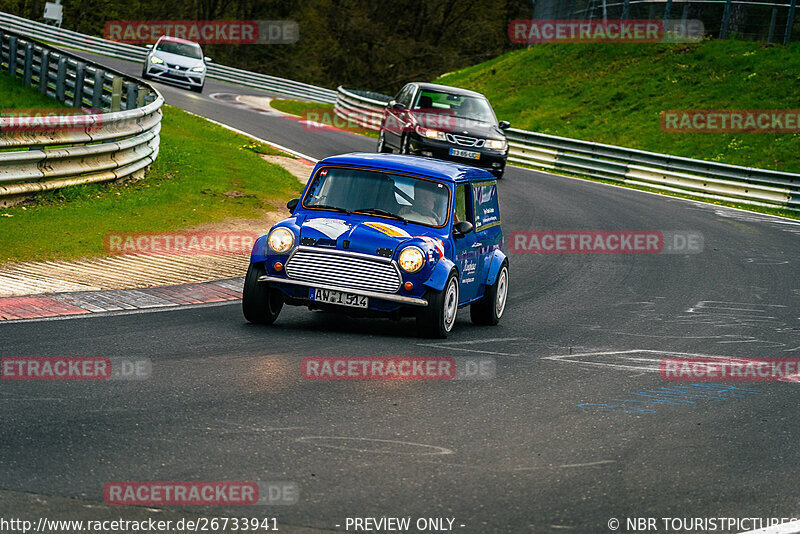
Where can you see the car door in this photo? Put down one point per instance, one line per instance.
(467, 248)
(395, 118)
(486, 218)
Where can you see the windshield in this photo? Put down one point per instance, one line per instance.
(413, 199)
(462, 107)
(181, 49)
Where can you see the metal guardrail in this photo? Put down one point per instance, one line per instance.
(96, 45)
(39, 153)
(699, 178)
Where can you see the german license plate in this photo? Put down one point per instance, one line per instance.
(338, 297)
(469, 154)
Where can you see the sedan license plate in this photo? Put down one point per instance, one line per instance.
(338, 297)
(465, 153)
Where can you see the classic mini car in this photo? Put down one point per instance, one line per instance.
(385, 235)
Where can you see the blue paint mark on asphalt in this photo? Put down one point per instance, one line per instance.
(672, 396)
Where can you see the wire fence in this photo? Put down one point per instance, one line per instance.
(757, 20)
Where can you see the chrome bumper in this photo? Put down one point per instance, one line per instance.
(412, 301)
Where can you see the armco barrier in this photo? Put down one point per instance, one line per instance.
(135, 53)
(699, 178)
(117, 143)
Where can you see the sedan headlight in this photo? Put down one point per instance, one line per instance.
(157, 60)
(495, 144)
(280, 240)
(430, 133)
(411, 259)
(199, 68)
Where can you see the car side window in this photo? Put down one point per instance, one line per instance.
(461, 203)
(405, 95)
(486, 207)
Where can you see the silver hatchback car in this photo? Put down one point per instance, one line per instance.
(177, 61)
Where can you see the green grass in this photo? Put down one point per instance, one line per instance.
(321, 113)
(198, 163)
(16, 96)
(614, 93)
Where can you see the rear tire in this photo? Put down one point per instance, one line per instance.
(436, 320)
(490, 308)
(261, 304)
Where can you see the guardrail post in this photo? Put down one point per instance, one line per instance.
(12, 56)
(772, 20)
(140, 96)
(97, 90)
(61, 78)
(44, 71)
(726, 18)
(789, 22)
(130, 96)
(626, 9)
(28, 74)
(80, 73)
(116, 93)
(667, 9)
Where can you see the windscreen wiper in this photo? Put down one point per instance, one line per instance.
(378, 211)
(327, 207)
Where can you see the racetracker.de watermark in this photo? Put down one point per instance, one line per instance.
(604, 31)
(74, 368)
(181, 243)
(397, 368)
(730, 121)
(220, 493)
(730, 369)
(47, 120)
(204, 31)
(606, 242)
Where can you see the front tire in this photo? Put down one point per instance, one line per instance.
(490, 308)
(198, 89)
(382, 144)
(436, 320)
(261, 304)
(405, 145)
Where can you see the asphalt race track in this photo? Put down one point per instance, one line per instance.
(572, 431)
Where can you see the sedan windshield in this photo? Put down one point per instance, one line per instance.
(460, 106)
(181, 49)
(401, 197)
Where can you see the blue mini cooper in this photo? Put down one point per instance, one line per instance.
(385, 235)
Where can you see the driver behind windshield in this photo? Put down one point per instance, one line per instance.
(429, 206)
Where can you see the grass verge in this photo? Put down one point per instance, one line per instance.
(614, 94)
(203, 173)
(15, 95)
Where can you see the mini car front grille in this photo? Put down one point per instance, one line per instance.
(465, 140)
(177, 67)
(343, 269)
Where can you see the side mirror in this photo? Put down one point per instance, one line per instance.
(149, 46)
(208, 59)
(398, 106)
(504, 125)
(462, 228)
(292, 204)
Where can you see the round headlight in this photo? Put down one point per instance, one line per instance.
(281, 240)
(411, 259)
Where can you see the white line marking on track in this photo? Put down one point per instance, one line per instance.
(316, 439)
(124, 312)
(443, 346)
(792, 527)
